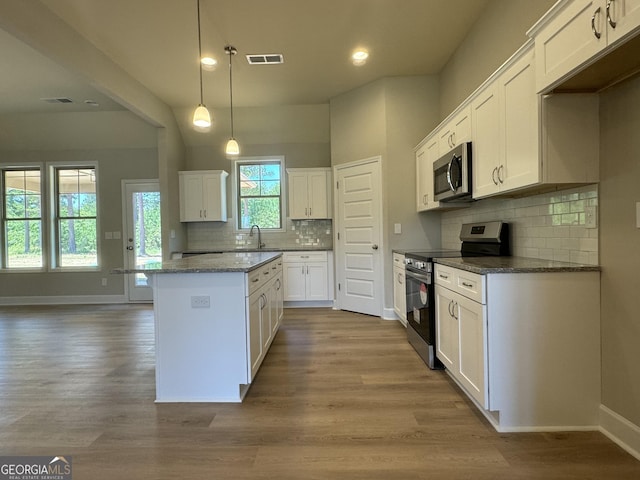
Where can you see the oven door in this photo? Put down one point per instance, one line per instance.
(419, 304)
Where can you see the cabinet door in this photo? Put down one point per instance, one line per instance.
(446, 329)
(212, 199)
(521, 110)
(317, 195)
(472, 371)
(400, 294)
(255, 332)
(316, 281)
(568, 41)
(277, 310)
(626, 16)
(422, 178)
(298, 196)
(191, 207)
(294, 281)
(487, 151)
(265, 318)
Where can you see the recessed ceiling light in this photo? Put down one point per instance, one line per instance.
(209, 63)
(359, 57)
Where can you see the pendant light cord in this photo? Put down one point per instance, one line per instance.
(200, 55)
(231, 52)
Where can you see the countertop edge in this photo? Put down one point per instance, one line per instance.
(268, 257)
(551, 267)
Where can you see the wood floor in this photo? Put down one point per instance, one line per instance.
(339, 396)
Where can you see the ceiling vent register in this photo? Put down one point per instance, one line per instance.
(57, 100)
(265, 59)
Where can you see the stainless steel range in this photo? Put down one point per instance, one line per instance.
(478, 239)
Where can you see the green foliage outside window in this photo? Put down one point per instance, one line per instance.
(259, 199)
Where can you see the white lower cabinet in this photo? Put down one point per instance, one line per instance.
(461, 329)
(399, 288)
(306, 276)
(525, 347)
(264, 310)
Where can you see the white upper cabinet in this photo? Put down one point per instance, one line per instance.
(426, 154)
(455, 131)
(506, 131)
(203, 196)
(309, 193)
(575, 33)
(522, 140)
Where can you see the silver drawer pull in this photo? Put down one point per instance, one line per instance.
(255, 280)
(468, 285)
(444, 277)
(266, 273)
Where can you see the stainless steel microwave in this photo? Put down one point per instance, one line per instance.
(452, 175)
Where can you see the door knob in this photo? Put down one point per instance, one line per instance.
(129, 247)
(374, 246)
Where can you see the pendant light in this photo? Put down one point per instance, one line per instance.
(232, 149)
(201, 117)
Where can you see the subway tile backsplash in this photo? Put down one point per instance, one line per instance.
(220, 235)
(550, 226)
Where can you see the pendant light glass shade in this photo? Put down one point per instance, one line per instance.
(201, 117)
(232, 147)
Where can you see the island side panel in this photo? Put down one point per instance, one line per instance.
(201, 353)
(544, 344)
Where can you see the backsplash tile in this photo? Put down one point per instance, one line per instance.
(220, 235)
(550, 226)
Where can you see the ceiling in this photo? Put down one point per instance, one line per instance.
(156, 42)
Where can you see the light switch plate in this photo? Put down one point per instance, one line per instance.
(397, 228)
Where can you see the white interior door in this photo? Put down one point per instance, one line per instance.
(358, 237)
(142, 233)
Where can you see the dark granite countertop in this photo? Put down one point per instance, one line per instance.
(208, 263)
(484, 265)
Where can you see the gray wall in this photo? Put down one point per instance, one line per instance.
(388, 118)
(497, 34)
(619, 252)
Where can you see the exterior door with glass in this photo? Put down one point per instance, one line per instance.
(142, 234)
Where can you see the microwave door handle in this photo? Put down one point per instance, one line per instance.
(453, 189)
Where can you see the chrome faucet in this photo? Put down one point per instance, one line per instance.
(260, 244)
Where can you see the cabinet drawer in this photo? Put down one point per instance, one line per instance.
(260, 276)
(305, 257)
(398, 260)
(444, 276)
(470, 285)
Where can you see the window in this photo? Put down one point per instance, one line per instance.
(75, 217)
(22, 218)
(259, 187)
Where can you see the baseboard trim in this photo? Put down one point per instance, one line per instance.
(309, 304)
(64, 300)
(620, 430)
(389, 314)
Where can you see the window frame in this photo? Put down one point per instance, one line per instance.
(236, 191)
(54, 244)
(4, 246)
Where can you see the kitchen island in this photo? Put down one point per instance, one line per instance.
(215, 318)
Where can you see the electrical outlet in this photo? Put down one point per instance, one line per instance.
(104, 281)
(200, 301)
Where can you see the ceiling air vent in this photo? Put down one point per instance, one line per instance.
(57, 100)
(265, 59)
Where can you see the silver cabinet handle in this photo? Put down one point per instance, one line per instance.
(255, 280)
(374, 246)
(443, 276)
(453, 139)
(400, 278)
(307, 269)
(493, 176)
(451, 308)
(266, 273)
(609, 19)
(200, 213)
(596, 33)
(500, 171)
(309, 211)
(454, 310)
(205, 213)
(468, 285)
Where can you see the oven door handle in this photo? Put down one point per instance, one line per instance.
(423, 278)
